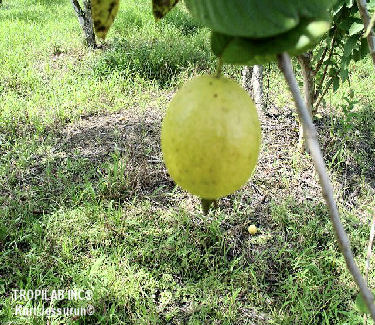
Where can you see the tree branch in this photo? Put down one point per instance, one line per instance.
(316, 154)
(77, 8)
(323, 93)
(330, 48)
(321, 60)
(319, 88)
(85, 20)
(369, 248)
(362, 6)
(308, 80)
(370, 26)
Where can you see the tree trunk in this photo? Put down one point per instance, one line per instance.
(308, 80)
(362, 6)
(247, 73)
(308, 87)
(257, 85)
(252, 81)
(85, 20)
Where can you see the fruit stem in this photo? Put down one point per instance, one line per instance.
(219, 67)
(206, 204)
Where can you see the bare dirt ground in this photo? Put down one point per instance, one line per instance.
(282, 170)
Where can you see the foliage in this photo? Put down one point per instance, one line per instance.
(256, 19)
(246, 51)
(343, 44)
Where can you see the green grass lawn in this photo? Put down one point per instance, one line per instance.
(86, 203)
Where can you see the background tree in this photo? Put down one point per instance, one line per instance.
(85, 20)
(368, 25)
(252, 81)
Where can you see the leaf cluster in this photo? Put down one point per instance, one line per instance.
(343, 44)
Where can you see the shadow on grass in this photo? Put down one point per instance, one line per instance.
(97, 210)
(115, 157)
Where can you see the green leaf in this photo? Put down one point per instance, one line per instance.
(349, 46)
(161, 7)
(254, 18)
(242, 18)
(364, 50)
(103, 14)
(336, 83)
(344, 74)
(239, 50)
(355, 28)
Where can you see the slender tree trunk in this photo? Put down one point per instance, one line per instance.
(362, 6)
(85, 20)
(308, 89)
(257, 85)
(252, 81)
(308, 80)
(247, 73)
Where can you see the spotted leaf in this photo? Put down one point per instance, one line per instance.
(103, 15)
(161, 7)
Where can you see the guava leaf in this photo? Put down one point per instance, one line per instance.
(247, 51)
(244, 18)
(103, 14)
(355, 28)
(161, 7)
(315, 9)
(256, 18)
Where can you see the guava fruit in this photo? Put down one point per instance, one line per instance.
(210, 137)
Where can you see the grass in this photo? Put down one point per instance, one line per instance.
(85, 201)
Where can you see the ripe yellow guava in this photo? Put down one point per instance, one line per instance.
(210, 137)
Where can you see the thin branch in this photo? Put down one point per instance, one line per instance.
(77, 8)
(219, 67)
(369, 248)
(326, 67)
(330, 48)
(362, 6)
(268, 83)
(320, 62)
(310, 134)
(324, 93)
(370, 26)
(369, 253)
